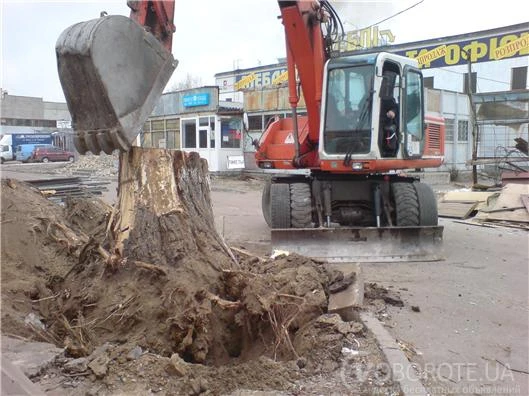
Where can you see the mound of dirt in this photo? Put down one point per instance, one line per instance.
(200, 323)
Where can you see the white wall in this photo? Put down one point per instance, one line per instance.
(491, 76)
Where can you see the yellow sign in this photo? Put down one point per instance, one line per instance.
(511, 48)
(366, 38)
(283, 77)
(431, 55)
(481, 49)
(245, 81)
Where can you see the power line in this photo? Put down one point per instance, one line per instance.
(394, 15)
(479, 78)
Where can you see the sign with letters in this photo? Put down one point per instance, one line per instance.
(199, 99)
(480, 50)
(258, 79)
(450, 51)
(235, 162)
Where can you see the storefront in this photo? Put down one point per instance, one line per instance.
(195, 120)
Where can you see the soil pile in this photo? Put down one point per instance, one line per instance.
(201, 323)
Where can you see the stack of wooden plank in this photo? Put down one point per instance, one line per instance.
(506, 207)
(464, 204)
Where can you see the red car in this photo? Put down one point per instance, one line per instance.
(51, 153)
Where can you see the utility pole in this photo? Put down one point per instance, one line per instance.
(473, 119)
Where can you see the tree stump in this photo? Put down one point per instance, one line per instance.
(165, 217)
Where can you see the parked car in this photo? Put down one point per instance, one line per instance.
(47, 154)
(24, 152)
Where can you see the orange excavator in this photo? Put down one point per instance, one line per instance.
(338, 189)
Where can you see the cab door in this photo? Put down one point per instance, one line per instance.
(413, 113)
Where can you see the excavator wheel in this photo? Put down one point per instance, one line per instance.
(280, 205)
(407, 212)
(428, 215)
(301, 205)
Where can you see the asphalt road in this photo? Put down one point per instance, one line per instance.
(471, 333)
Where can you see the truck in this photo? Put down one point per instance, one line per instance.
(340, 186)
(10, 142)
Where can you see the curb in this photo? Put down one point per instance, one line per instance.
(409, 382)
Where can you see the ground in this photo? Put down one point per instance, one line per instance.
(205, 326)
(463, 322)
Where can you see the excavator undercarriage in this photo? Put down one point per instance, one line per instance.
(345, 218)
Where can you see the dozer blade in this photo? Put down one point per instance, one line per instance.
(370, 244)
(112, 73)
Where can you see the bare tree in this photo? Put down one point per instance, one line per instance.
(189, 81)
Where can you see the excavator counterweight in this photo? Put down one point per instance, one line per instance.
(112, 72)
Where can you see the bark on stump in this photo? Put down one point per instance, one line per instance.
(165, 213)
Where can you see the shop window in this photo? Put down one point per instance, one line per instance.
(189, 128)
(173, 133)
(231, 132)
(268, 119)
(255, 123)
(519, 77)
(147, 126)
(428, 82)
(449, 129)
(156, 137)
(203, 138)
(172, 123)
(462, 131)
(158, 125)
(203, 121)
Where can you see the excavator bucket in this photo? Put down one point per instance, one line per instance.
(369, 244)
(112, 72)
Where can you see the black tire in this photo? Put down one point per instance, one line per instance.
(406, 205)
(45, 159)
(280, 205)
(70, 159)
(300, 205)
(265, 203)
(2, 160)
(427, 204)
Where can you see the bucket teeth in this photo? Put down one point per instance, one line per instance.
(106, 141)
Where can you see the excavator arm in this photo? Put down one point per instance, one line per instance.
(113, 71)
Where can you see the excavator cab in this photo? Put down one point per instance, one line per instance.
(112, 71)
(373, 108)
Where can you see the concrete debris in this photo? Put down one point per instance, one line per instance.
(101, 166)
(99, 365)
(14, 382)
(179, 365)
(33, 320)
(78, 365)
(134, 353)
(31, 357)
(350, 327)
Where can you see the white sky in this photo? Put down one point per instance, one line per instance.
(213, 36)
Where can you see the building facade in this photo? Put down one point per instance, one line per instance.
(498, 60)
(27, 115)
(196, 120)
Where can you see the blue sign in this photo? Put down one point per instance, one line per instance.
(200, 99)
